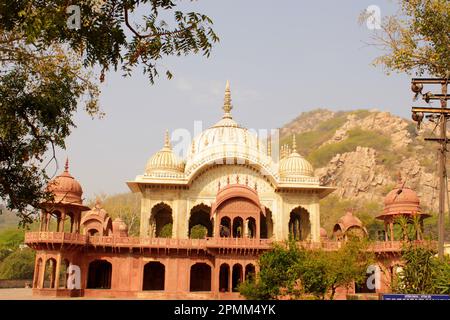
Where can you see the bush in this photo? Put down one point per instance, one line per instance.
(198, 232)
(18, 265)
(166, 231)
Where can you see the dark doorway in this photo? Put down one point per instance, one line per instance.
(154, 276)
(224, 278)
(200, 277)
(237, 277)
(99, 275)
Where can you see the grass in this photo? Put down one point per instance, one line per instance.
(311, 140)
(356, 137)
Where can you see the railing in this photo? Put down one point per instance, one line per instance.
(250, 243)
(196, 244)
(55, 237)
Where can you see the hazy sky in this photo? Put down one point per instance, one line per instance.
(281, 57)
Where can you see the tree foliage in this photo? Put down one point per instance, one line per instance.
(300, 273)
(46, 69)
(422, 272)
(198, 232)
(18, 265)
(417, 38)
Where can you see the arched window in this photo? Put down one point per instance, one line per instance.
(161, 221)
(224, 278)
(225, 227)
(154, 276)
(299, 224)
(236, 277)
(250, 272)
(50, 273)
(251, 225)
(63, 274)
(266, 222)
(99, 275)
(200, 224)
(238, 227)
(200, 279)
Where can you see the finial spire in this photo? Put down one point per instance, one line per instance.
(167, 140)
(227, 101)
(66, 166)
(294, 144)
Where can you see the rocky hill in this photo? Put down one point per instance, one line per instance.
(362, 152)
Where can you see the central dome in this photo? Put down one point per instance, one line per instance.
(224, 140)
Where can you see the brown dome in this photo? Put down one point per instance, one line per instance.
(348, 221)
(66, 189)
(401, 201)
(401, 198)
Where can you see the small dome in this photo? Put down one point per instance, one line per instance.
(294, 165)
(65, 188)
(348, 221)
(164, 160)
(401, 201)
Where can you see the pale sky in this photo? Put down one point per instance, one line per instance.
(281, 57)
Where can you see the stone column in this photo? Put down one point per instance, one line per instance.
(63, 219)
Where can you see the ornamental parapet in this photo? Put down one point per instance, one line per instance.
(53, 238)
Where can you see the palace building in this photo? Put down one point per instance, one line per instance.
(204, 221)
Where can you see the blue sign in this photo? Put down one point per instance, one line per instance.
(415, 297)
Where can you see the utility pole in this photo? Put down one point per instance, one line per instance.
(441, 115)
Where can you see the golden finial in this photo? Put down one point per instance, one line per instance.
(227, 101)
(294, 144)
(167, 140)
(66, 166)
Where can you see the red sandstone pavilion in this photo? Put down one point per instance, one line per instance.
(230, 185)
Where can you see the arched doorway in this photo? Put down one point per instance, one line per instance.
(200, 224)
(224, 278)
(236, 277)
(154, 276)
(238, 227)
(161, 221)
(200, 278)
(50, 273)
(299, 224)
(266, 231)
(250, 272)
(99, 275)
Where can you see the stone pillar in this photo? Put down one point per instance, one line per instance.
(57, 270)
(246, 228)
(63, 219)
(391, 227)
(47, 221)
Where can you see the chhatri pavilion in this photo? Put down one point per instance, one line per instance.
(204, 221)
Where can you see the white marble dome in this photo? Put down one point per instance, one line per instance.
(225, 140)
(164, 161)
